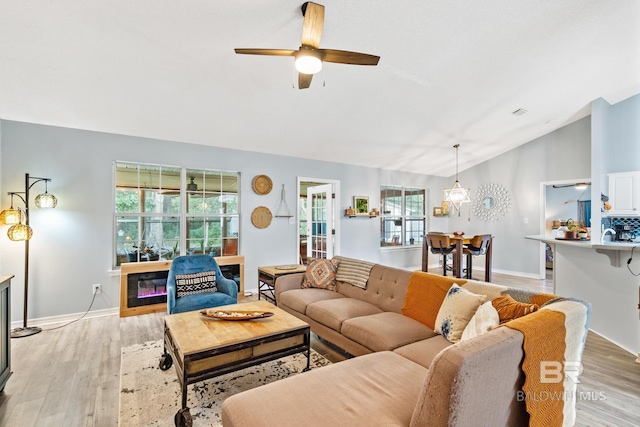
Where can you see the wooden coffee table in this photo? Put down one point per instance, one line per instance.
(203, 348)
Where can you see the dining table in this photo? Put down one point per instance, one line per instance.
(458, 255)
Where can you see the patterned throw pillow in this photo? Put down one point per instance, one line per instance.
(321, 273)
(195, 283)
(456, 310)
(509, 309)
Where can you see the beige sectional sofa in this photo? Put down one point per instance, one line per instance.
(404, 373)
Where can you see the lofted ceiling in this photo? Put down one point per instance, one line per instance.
(450, 72)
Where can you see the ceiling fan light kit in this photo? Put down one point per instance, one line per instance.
(308, 60)
(309, 57)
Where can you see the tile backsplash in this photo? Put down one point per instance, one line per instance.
(611, 222)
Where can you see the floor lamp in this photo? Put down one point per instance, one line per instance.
(20, 231)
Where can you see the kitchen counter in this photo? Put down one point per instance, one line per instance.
(589, 244)
(604, 275)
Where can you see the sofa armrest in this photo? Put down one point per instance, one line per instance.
(475, 382)
(288, 282)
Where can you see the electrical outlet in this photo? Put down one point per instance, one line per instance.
(97, 289)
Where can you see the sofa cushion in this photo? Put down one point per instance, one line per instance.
(424, 297)
(423, 352)
(299, 299)
(386, 288)
(385, 331)
(321, 273)
(456, 311)
(485, 319)
(509, 309)
(378, 389)
(333, 312)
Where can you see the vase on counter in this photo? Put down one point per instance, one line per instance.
(570, 234)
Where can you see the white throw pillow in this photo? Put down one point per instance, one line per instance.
(485, 319)
(457, 309)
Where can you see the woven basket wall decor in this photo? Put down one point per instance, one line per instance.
(262, 184)
(261, 217)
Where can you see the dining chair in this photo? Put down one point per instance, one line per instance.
(440, 244)
(478, 245)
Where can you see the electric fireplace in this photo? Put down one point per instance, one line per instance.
(147, 288)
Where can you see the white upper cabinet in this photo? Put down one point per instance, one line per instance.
(624, 193)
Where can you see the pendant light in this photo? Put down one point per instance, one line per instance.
(46, 200)
(456, 195)
(19, 232)
(10, 216)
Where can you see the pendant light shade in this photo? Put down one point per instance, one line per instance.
(10, 216)
(46, 200)
(457, 194)
(19, 233)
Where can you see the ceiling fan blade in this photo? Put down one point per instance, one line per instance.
(270, 52)
(312, 25)
(304, 80)
(347, 57)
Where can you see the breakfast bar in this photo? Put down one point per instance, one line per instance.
(606, 275)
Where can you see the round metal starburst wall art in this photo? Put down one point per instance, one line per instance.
(491, 201)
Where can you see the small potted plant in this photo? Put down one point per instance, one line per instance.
(572, 230)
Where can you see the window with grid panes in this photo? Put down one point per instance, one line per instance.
(161, 212)
(402, 216)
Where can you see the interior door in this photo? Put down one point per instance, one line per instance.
(320, 222)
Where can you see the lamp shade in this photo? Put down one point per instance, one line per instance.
(10, 216)
(308, 61)
(19, 232)
(46, 200)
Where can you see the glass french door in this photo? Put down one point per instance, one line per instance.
(320, 222)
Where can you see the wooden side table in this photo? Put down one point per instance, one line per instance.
(267, 278)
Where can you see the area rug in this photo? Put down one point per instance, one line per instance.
(151, 397)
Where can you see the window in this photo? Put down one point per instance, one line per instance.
(161, 212)
(402, 216)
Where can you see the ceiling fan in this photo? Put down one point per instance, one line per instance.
(578, 186)
(309, 58)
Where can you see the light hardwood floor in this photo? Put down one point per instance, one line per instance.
(70, 376)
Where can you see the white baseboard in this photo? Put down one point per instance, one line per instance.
(66, 318)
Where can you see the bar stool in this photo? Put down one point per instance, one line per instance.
(440, 244)
(478, 246)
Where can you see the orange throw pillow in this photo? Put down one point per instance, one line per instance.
(509, 309)
(425, 294)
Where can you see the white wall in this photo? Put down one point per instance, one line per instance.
(72, 244)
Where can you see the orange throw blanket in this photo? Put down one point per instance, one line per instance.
(544, 341)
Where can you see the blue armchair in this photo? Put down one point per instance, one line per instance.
(227, 289)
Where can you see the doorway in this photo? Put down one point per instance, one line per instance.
(562, 201)
(318, 225)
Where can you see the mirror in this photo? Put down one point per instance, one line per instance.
(489, 202)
